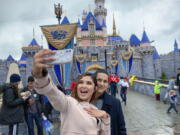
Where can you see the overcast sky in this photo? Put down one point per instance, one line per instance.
(160, 18)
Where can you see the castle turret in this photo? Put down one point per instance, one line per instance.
(147, 61)
(84, 15)
(137, 65)
(22, 67)
(157, 64)
(176, 57)
(145, 40)
(29, 51)
(100, 11)
(176, 46)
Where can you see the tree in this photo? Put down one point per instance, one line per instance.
(163, 76)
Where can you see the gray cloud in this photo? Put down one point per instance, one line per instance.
(19, 17)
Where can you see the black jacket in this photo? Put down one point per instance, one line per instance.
(113, 107)
(178, 80)
(38, 101)
(12, 107)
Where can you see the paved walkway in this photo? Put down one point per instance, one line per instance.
(143, 115)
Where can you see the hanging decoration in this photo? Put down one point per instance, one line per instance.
(127, 59)
(80, 58)
(59, 35)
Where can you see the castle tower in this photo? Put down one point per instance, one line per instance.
(176, 57)
(29, 51)
(147, 61)
(157, 64)
(22, 67)
(176, 46)
(84, 15)
(100, 11)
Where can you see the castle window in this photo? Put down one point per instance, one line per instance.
(94, 57)
(92, 42)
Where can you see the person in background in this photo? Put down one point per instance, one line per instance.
(33, 108)
(124, 86)
(109, 103)
(178, 80)
(47, 108)
(173, 101)
(157, 90)
(132, 79)
(12, 112)
(171, 86)
(113, 84)
(78, 115)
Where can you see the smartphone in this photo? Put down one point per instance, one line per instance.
(61, 57)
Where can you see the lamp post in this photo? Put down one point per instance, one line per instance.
(58, 11)
(105, 56)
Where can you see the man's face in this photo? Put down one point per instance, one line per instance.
(102, 82)
(30, 85)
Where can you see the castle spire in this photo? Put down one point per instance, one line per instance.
(176, 46)
(33, 33)
(114, 27)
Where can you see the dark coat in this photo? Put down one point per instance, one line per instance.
(12, 107)
(113, 107)
(38, 101)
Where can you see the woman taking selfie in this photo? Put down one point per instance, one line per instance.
(78, 115)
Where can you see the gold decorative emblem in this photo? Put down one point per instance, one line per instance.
(59, 35)
(94, 67)
(80, 57)
(126, 55)
(114, 63)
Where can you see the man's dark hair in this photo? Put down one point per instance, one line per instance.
(100, 71)
(178, 69)
(30, 79)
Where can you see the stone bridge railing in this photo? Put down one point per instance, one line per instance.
(147, 88)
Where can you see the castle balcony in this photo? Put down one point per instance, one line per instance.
(119, 44)
(100, 11)
(145, 49)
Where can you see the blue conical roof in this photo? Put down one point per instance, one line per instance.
(176, 46)
(33, 42)
(145, 38)
(156, 55)
(22, 61)
(23, 57)
(79, 23)
(134, 40)
(65, 21)
(91, 17)
(10, 58)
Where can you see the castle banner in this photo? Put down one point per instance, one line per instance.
(59, 35)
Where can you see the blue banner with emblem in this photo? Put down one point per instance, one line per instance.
(61, 37)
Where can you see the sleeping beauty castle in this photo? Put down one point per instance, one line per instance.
(94, 49)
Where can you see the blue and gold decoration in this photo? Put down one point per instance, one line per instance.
(114, 64)
(80, 59)
(127, 59)
(58, 36)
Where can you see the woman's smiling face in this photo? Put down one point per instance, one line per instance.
(85, 88)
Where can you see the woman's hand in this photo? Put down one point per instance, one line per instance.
(96, 113)
(39, 62)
